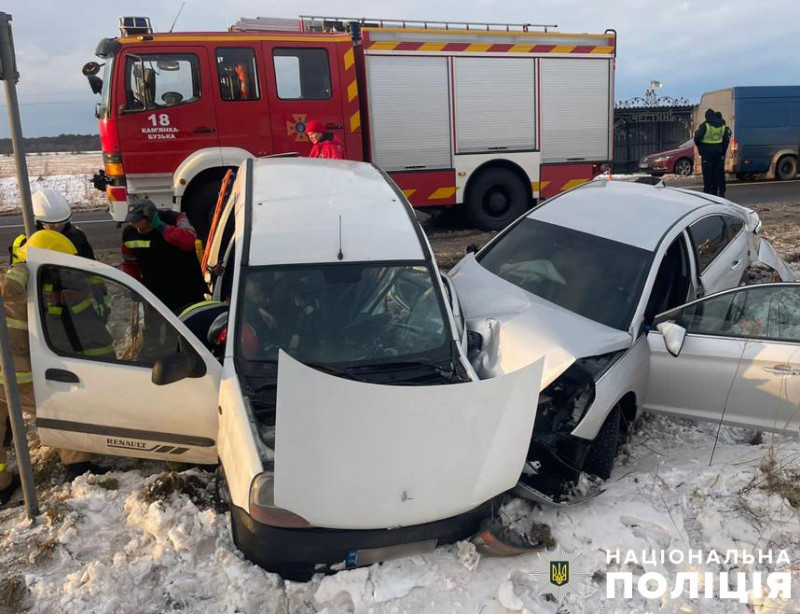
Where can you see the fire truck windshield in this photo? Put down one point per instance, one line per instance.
(105, 102)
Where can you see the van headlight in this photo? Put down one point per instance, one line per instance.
(263, 508)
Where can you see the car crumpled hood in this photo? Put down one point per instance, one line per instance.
(518, 328)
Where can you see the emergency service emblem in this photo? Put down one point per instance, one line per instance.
(297, 127)
(559, 572)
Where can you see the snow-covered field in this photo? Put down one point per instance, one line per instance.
(70, 174)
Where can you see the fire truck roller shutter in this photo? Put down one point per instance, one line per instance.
(409, 110)
(495, 104)
(575, 99)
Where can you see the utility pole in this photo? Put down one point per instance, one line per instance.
(9, 75)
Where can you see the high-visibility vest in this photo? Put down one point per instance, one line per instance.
(713, 135)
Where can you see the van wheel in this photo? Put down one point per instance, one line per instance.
(199, 206)
(786, 168)
(496, 198)
(684, 167)
(600, 459)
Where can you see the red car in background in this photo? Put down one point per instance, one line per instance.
(679, 161)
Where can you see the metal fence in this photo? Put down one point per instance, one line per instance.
(639, 131)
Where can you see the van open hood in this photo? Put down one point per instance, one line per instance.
(353, 455)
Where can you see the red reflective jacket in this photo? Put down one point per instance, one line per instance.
(332, 149)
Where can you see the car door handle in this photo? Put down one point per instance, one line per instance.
(204, 130)
(735, 264)
(782, 370)
(61, 375)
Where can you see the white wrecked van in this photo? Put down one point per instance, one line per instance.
(348, 422)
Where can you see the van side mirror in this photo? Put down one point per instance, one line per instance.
(175, 367)
(674, 336)
(474, 343)
(471, 248)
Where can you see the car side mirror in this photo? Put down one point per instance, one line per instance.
(175, 367)
(674, 336)
(474, 343)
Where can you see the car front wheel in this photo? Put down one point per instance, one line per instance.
(600, 459)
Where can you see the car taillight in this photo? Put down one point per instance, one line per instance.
(262, 504)
(112, 164)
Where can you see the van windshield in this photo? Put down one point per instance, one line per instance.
(340, 315)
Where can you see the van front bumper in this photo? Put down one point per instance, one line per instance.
(296, 554)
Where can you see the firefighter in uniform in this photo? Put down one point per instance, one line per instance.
(712, 138)
(68, 305)
(326, 145)
(158, 248)
(52, 212)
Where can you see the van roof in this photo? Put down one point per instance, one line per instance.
(311, 211)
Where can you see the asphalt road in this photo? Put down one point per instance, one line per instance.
(104, 234)
(753, 193)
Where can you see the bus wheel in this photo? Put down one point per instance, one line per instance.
(199, 206)
(497, 196)
(786, 168)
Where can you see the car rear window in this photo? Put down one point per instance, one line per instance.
(594, 277)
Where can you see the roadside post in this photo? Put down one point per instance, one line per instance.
(9, 75)
(15, 414)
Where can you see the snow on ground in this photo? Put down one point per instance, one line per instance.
(109, 544)
(70, 174)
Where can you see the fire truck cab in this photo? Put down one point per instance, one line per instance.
(486, 115)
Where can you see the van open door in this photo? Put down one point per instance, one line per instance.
(114, 371)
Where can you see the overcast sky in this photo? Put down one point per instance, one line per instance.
(691, 47)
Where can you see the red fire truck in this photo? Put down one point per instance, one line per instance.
(488, 116)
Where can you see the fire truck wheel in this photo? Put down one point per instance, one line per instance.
(496, 198)
(199, 207)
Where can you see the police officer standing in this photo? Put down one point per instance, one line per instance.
(712, 138)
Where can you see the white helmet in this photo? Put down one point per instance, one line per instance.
(50, 207)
